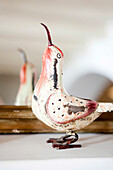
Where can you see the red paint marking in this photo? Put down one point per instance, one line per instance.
(47, 54)
(59, 50)
(46, 62)
(46, 59)
(92, 105)
(23, 74)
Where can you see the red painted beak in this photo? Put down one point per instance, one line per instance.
(48, 34)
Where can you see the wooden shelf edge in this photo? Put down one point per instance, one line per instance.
(20, 119)
(38, 127)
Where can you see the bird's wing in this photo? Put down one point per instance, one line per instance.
(64, 109)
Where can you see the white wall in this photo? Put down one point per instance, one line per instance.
(9, 85)
(89, 86)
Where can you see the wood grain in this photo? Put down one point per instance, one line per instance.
(20, 119)
(16, 112)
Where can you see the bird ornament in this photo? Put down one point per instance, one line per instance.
(55, 107)
(28, 76)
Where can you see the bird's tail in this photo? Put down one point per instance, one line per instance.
(104, 107)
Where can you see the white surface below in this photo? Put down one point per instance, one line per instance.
(32, 152)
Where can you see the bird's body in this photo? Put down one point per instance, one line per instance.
(27, 82)
(53, 105)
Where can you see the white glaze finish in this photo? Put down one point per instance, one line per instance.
(45, 90)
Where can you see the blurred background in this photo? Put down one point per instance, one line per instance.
(82, 29)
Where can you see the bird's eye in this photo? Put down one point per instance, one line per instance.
(59, 55)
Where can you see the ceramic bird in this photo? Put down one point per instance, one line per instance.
(27, 82)
(55, 107)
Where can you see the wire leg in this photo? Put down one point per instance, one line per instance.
(64, 142)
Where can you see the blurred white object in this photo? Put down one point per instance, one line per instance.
(27, 82)
(1, 101)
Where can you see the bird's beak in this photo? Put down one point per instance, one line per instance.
(23, 54)
(48, 34)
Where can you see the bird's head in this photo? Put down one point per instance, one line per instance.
(52, 52)
(27, 71)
